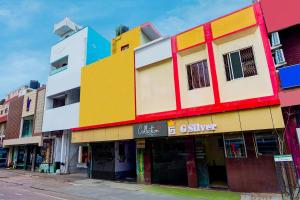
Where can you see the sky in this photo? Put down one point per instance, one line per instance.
(26, 33)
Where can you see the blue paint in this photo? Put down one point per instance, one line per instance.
(97, 47)
(290, 76)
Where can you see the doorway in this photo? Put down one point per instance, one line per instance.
(210, 161)
(169, 158)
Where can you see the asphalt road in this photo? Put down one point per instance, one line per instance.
(20, 185)
(12, 191)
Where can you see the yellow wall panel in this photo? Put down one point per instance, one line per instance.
(256, 119)
(131, 38)
(125, 132)
(226, 122)
(103, 134)
(277, 117)
(107, 90)
(190, 38)
(233, 22)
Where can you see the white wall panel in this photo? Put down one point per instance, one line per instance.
(61, 118)
(153, 52)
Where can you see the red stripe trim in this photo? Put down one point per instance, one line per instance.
(266, 43)
(175, 71)
(187, 112)
(212, 64)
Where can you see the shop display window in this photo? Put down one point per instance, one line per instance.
(266, 144)
(235, 146)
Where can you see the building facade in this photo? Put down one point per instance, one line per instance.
(198, 109)
(77, 47)
(21, 140)
(285, 44)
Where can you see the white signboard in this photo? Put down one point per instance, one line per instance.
(190, 128)
(283, 158)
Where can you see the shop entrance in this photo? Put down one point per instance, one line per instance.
(169, 161)
(210, 161)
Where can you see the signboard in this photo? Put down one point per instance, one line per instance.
(283, 158)
(171, 128)
(152, 129)
(190, 128)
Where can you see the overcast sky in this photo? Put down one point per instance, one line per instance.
(26, 27)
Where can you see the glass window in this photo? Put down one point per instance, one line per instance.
(235, 146)
(27, 128)
(123, 48)
(266, 144)
(239, 64)
(198, 76)
(275, 39)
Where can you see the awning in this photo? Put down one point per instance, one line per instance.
(23, 141)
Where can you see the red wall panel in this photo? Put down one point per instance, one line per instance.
(280, 14)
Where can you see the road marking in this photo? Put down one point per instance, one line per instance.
(19, 194)
(50, 196)
(1, 194)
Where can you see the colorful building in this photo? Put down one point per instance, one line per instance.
(21, 137)
(77, 47)
(285, 44)
(199, 109)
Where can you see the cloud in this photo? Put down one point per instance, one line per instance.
(19, 68)
(19, 14)
(183, 17)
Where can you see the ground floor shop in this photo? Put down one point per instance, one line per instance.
(113, 160)
(232, 150)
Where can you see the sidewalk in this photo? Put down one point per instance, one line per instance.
(79, 184)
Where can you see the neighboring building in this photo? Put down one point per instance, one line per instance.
(4, 106)
(198, 107)
(78, 47)
(23, 142)
(283, 24)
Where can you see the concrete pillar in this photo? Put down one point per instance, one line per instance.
(33, 158)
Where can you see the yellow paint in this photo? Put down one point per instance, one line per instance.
(227, 122)
(233, 22)
(196, 97)
(155, 88)
(104, 134)
(243, 88)
(256, 119)
(132, 38)
(277, 117)
(107, 90)
(190, 38)
(235, 121)
(32, 96)
(107, 86)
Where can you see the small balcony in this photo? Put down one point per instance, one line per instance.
(289, 76)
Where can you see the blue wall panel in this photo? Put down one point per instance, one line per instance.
(97, 47)
(290, 76)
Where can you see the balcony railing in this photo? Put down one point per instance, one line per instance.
(289, 76)
(55, 71)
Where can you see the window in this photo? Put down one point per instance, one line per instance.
(27, 127)
(198, 75)
(6, 110)
(59, 65)
(275, 41)
(239, 64)
(279, 57)
(266, 144)
(123, 48)
(235, 146)
(59, 101)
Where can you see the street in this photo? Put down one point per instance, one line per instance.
(17, 184)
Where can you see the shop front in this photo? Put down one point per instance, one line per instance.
(110, 152)
(231, 150)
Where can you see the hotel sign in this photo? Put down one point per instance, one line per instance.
(190, 128)
(153, 129)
